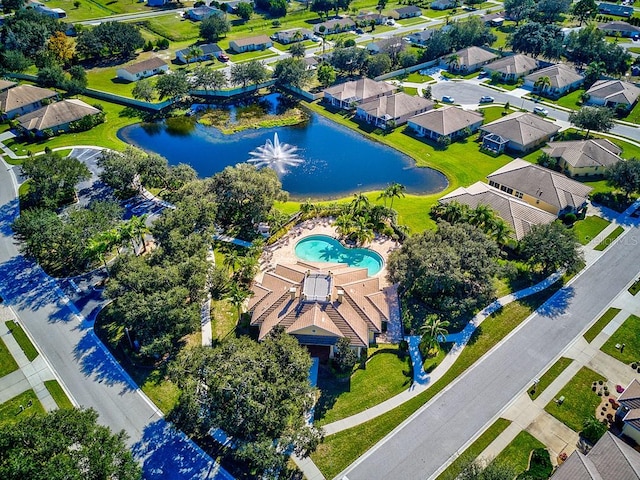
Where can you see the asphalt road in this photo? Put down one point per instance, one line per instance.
(87, 371)
(418, 448)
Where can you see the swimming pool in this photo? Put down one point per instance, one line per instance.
(322, 248)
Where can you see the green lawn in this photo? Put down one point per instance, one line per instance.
(90, 9)
(571, 100)
(549, 376)
(635, 288)
(518, 451)
(385, 375)
(104, 79)
(21, 337)
(173, 27)
(634, 115)
(10, 410)
(580, 401)
(405, 22)
(491, 113)
(7, 362)
(410, 91)
(505, 85)
(602, 322)
(415, 77)
(627, 334)
(341, 449)
(589, 228)
(475, 449)
(224, 318)
(610, 239)
(58, 394)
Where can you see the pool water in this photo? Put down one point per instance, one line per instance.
(322, 248)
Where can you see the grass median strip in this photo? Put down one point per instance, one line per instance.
(549, 376)
(58, 394)
(610, 239)
(602, 322)
(21, 337)
(341, 449)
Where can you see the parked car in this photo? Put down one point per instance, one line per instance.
(223, 57)
(359, 31)
(486, 99)
(448, 99)
(543, 112)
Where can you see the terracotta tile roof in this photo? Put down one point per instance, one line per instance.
(560, 75)
(396, 105)
(56, 114)
(522, 128)
(615, 91)
(518, 64)
(446, 120)
(148, 64)
(360, 90)
(585, 153)
(23, 95)
(517, 213)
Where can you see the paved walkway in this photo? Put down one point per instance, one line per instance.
(30, 375)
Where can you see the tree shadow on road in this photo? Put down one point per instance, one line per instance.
(25, 285)
(557, 304)
(8, 213)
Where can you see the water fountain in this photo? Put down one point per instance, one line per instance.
(275, 155)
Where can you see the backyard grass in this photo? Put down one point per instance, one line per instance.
(549, 376)
(610, 239)
(341, 449)
(626, 334)
(635, 288)
(7, 362)
(224, 318)
(416, 77)
(410, 91)
(491, 113)
(475, 449)
(634, 115)
(173, 27)
(602, 322)
(518, 451)
(589, 228)
(385, 375)
(405, 22)
(571, 100)
(21, 337)
(10, 410)
(580, 401)
(58, 394)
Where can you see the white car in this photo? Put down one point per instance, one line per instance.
(487, 99)
(540, 111)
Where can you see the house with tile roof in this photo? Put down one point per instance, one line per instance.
(409, 11)
(520, 215)
(447, 121)
(421, 37)
(250, 44)
(6, 84)
(512, 67)
(562, 79)
(620, 28)
(614, 9)
(24, 99)
(442, 4)
(521, 131)
(364, 19)
(209, 51)
(468, 59)
(346, 95)
(57, 116)
(584, 157)
(147, 68)
(611, 93)
(335, 25)
(609, 459)
(319, 303)
(629, 410)
(390, 111)
(203, 12)
(292, 35)
(545, 189)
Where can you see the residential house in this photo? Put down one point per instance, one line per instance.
(6, 85)
(391, 44)
(57, 13)
(198, 14)
(562, 79)
(495, 19)
(584, 157)
(442, 4)
(512, 67)
(468, 59)
(629, 411)
(448, 121)
(311, 63)
(364, 19)
(147, 68)
(619, 28)
(420, 38)
(517, 213)
(609, 459)
(347, 95)
(292, 35)
(336, 25)
(231, 5)
(612, 93)
(249, 44)
(320, 303)
(56, 116)
(390, 111)
(522, 131)
(409, 11)
(209, 51)
(24, 99)
(550, 191)
(613, 9)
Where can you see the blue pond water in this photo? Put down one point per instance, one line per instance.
(322, 248)
(337, 160)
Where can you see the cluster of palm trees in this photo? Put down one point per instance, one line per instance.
(482, 217)
(434, 332)
(131, 232)
(542, 83)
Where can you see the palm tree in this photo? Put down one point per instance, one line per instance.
(237, 295)
(344, 224)
(453, 61)
(542, 83)
(395, 190)
(231, 260)
(359, 203)
(455, 212)
(500, 231)
(434, 331)
(362, 232)
(482, 217)
(194, 52)
(101, 244)
(139, 228)
(384, 194)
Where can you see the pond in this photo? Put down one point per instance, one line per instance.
(336, 161)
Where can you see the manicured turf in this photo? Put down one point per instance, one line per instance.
(385, 375)
(173, 27)
(589, 228)
(416, 77)
(635, 288)
(580, 401)
(634, 115)
(627, 334)
(410, 91)
(7, 362)
(549, 376)
(224, 318)
(10, 410)
(518, 451)
(341, 449)
(602, 322)
(492, 113)
(21, 337)
(571, 100)
(610, 239)
(58, 394)
(475, 449)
